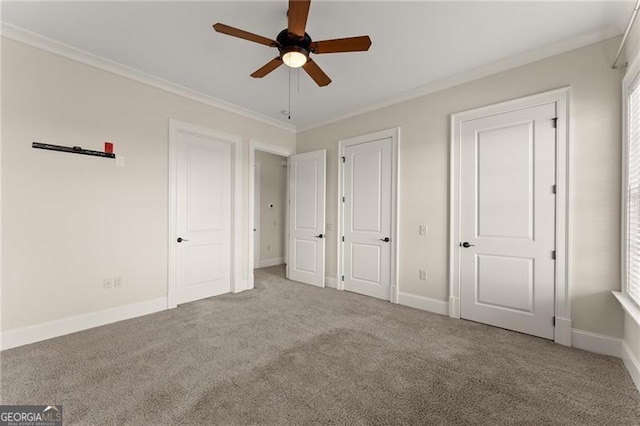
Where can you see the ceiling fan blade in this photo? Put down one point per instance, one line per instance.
(267, 68)
(298, 13)
(235, 32)
(350, 44)
(316, 73)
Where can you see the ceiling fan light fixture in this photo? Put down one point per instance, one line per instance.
(295, 58)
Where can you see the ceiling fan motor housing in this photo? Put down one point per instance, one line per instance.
(288, 42)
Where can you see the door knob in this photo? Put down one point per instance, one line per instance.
(320, 236)
(385, 239)
(467, 245)
(180, 239)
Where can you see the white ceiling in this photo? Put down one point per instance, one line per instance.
(415, 43)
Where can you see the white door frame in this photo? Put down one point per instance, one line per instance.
(175, 128)
(273, 149)
(257, 173)
(394, 134)
(562, 302)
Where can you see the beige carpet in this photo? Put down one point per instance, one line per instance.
(288, 353)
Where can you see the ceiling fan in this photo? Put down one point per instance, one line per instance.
(295, 45)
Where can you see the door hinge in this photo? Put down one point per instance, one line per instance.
(554, 189)
(343, 238)
(553, 321)
(342, 278)
(343, 198)
(344, 159)
(553, 254)
(555, 122)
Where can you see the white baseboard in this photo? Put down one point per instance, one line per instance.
(563, 331)
(331, 282)
(265, 263)
(632, 363)
(424, 303)
(35, 333)
(598, 343)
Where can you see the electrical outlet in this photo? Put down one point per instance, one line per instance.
(119, 161)
(423, 274)
(107, 283)
(117, 282)
(423, 230)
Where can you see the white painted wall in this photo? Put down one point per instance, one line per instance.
(424, 158)
(68, 221)
(273, 190)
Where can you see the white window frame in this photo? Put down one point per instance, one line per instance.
(630, 306)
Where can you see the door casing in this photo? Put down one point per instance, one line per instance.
(394, 134)
(175, 128)
(257, 173)
(561, 98)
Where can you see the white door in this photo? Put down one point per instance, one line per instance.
(203, 226)
(367, 218)
(507, 220)
(306, 217)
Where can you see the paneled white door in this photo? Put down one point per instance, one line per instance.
(306, 217)
(203, 217)
(367, 218)
(507, 220)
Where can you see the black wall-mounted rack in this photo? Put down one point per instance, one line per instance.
(73, 150)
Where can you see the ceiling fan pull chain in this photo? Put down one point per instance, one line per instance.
(289, 93)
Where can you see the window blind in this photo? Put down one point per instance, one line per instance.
(633, 193)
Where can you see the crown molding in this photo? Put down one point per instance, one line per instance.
(562, 46)
(45, 43)
(30, 38)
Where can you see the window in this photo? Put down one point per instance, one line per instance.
(631, 192)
